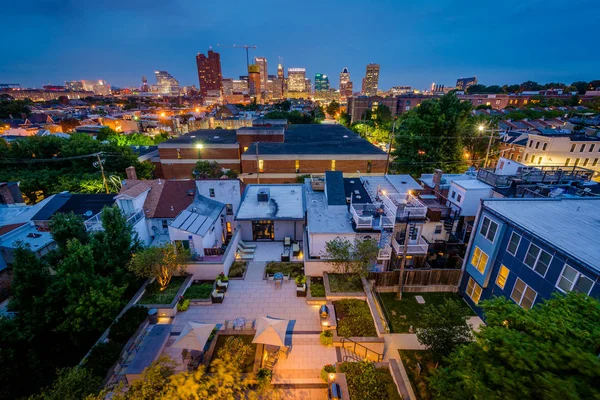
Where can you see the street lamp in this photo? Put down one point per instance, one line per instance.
(199, 146)
(487, 152)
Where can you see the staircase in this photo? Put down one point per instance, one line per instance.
(356, 352)
(271, 361)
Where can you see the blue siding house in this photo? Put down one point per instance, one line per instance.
(527, 249)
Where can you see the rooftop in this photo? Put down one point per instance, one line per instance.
(165, 199)
(85, 205)
(447, 179)
(354, 188)
(285, 202)
(208, 136)
(199, 216)
(321, 219)
(403, 183)
(26, 234)
(334, 185)
(472, 184)
(574, 227)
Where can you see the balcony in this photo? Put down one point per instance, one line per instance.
(404, 206)
(371, 217)
(419, 246)
(95, 223)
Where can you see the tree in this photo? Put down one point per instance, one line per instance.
(207, 170)
(351, 258)
(159, 262)
(365, 253)
(14, 109)
(69, 124)
(31, 278)
(333, 108)
(581, 86)
(547, 352)
(430, 136)
(530, 85)
(442, 328)
(344, 119)
(65, 227)
(105, 133)
(72, 383)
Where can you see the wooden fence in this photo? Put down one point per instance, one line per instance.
(424, 277)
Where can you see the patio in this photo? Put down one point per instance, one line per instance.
(271, 251)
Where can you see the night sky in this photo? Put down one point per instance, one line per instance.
(416, 42)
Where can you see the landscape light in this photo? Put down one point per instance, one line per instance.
(481, 128)
(199, 145)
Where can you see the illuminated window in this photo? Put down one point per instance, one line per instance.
(585, 162)
(572, 280)
(479, 259)
(297, 165)
(595, 162)
(178, 153)
(523, 295)
(567, 162)
(333, 165)
(473, 290)
(576, 162)
(245, 148)
(532, 157)
(539, 160)
(502, 276)
(261, 165)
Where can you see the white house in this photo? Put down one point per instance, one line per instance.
(226, 191)
(467, 194)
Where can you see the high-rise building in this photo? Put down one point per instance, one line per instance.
(254, 80)
(321, 82)
(75, 86)
(280, 71)
(144, 88)
(307, 85)
(465, 83)
(166, 84)
(345, 84)
(209, 72)
(296, 80)
(264, 74)
(371, 81)
(227, 86)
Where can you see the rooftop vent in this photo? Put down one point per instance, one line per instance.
(352, 182)
(346, 136)
(263, 195)
(190, 192)
(34, 235)
(88, 213)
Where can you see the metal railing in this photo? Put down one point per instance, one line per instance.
(360, 352)
(95, 223)
(421, 247)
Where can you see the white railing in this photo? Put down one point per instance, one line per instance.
(95, 223)
(135, 217)
(402, 204)
(420, 247)
(385, 253)
(362, 220)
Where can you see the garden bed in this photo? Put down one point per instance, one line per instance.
(238, 270)
(317, 287)
(294, 269)
(354, 318)
(248, 363)
(199, 290)
(403, 314)
(366, 382)
(418, 380)
(342, 283)
(153, 294)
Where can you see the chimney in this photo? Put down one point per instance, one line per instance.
(6, 196)
(437, 177)
(130, 171)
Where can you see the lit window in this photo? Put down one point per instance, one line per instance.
(488, 229)
(261, 165)
(178, 153)
(567, 162)
(513, 244)
(523, 295)
(473, 290)
(585, 162)
(572, 280)
(333, 165)
(537, 259)
(502, 276)
(479, 259)
(539, 160)
(245, 148)
(576, 162)
(595, 162)
(297, 165)
(532, 157)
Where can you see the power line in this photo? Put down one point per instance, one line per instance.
(56, 159)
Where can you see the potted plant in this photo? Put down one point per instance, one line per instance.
(301, 286)
(183, 304)
(326, 338)
(222, 282)
(326, 371)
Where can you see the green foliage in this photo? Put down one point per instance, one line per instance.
(264, 374)
(419, 377)
(351, 258)
(300, 279)
(127, 324)
(301, 178)
(102, 356)
(199, 291)
(183, 305)
(31, 278)
(344, 119)
(328, 368)
(65, 227)
(72, 383)
(317, 288)
(369, 383)
(207, 170)
(333, 108)
(284, 105)
(547, 352)
(157, 294)
(326, 338)
(287, 268)
(354, 318)
(68, 125)
(237, 269)
(293, 117)
(14, 108)
(443, 328)
(345, 283)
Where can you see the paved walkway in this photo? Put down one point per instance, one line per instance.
(304, 363)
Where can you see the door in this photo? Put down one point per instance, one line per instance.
(263, 230)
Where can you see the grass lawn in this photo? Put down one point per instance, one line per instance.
(354, 318)
(410, 358)
(366, 382)
(237, 269)
(153, 294)
(341, 283)
(294, 269)
(199, 291)
(248, 364)
(317, 288)
(405, 313)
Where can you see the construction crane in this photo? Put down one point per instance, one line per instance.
(245, 47)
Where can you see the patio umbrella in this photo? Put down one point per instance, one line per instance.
(270, 331)
(194, 336)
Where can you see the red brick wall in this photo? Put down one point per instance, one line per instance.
(184, 171)
(206, 154)
(314, 166)
(245, 140)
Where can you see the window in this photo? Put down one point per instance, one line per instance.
(502, 276)
(539, 160)
(333, 165)
(530, 143)
(592, 147)
(595, 162)
(245, 148)
(572, 148)
(453, 194)
(585, 162)
(513, 244)
(178, 153)
(523, 295)
(567, 162)
(229, 209)
(473, 290)
(211, 192)
(488, 229)
(458, 198)
(537, 145)
(537, 259)
(297, 165)
(532, 157)
(438, 229)
(261, 165)
(479, 259)
(544, 146)
(369, 164)
(228, 227)
(582, 148)
(576, 162)
(165, 224)
(571, 279)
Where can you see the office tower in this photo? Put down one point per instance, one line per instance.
(307, 85)
(345, 84)
(321, 82)
(264, 74)
(280, 71)
(75, 86)
(209, 73)
(296, 80)
(371, 80)
(166, 84)
(144, 88)
(240, 85)
(227, 86)
(254, 80)
(465, 83)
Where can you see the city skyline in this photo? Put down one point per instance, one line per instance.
(444, 41)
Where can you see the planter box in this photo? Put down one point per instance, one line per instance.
(301, 291)
(313, 300)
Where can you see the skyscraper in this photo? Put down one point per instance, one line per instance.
(371, 81)
(166, 84)
(297, 80)
(144, 88)
(465, 83)
(209, 73)
(345, 84)
(321, 82)
(280, 72)
(254, 80)
(264, 74)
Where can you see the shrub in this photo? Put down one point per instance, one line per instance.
(237, 269)
(369, 383)
(183, 305)
(264, 374)
(317, 288)
(102, 357)
(327, 369)
(300, 280)
(354, 318)
(127, 324)
(221, 277)
(326, 338)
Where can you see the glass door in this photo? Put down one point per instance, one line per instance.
(263, 230)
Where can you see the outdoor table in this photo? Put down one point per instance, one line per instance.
(149, 351)
(239, 323)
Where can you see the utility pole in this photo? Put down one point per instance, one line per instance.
(489, 146)
(404, 251)
(257, 166)
(387, 162)
(100, 162)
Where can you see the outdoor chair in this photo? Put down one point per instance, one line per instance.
(222, 286)
(284, 350)
(246, 256)
(287, 241)
(246, 245)
(226, 324)
(217, 297)
(243, 250)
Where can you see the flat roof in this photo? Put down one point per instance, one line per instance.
(286, 202)
(334, 184)
(447, 179)
(318, 139)
(571, 225)
(216, 136)
(321, 219)
(85, 205)
(472, 184)
(403, 183)
(27, 234)
(355, 190)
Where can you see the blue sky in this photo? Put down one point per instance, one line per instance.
(416, 42)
